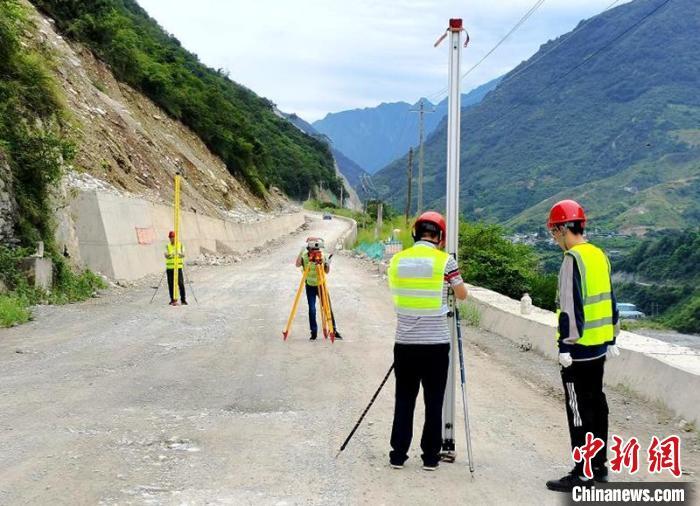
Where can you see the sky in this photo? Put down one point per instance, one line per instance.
(313, 57)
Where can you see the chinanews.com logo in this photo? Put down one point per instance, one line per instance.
(661, 456)
(633, 493)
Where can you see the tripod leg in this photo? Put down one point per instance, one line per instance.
(189, 282)
(287, 328)
(327, 307)
(157, 287)
(463, 374)
(322, 300)
(362, 416)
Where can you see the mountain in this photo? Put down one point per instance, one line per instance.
(605, 114)
(347, 167)
(375, 136)
(235, 123)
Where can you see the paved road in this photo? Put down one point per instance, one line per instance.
(116, 401)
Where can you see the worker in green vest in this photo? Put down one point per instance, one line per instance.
(175, 256)
(588, 324)
(419, 278)
(314, 247)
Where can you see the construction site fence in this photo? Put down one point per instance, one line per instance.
(379, 250)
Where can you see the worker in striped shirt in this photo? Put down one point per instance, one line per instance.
(419, 278)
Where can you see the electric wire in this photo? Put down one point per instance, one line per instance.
(518, 24)
(585, 60)
(524, 18)
(564, 39)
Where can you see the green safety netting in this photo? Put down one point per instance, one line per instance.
(373, 250)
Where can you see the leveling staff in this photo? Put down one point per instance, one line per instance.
(314, 249)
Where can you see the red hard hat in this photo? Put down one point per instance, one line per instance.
(432, 217)
(566, 211)
(171, 234)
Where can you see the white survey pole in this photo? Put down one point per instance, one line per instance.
(453, 137)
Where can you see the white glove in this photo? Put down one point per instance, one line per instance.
(613, 351)
(565, 360)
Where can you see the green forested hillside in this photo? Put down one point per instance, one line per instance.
(233, 121)
(33, 136)
(35, 142)
(667, 272)
(608, 113)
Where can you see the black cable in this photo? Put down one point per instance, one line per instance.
(517, 25)
(582, 62)
(529, 64)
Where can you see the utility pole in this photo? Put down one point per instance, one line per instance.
(378, 229)
(421, 162)
(342, 187)
(410, 184)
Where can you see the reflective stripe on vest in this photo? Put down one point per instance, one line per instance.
(594, 268)
(416, 278)
(312, 276)
(170, 262)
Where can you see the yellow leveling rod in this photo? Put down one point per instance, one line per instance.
(321, 300)
(176, 225)
(287, 328)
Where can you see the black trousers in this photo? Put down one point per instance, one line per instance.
(586, 406)
(416, 365)
(311, 295)
(181, 283)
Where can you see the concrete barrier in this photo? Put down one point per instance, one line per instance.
(350, 235)
(124, 238)
(657, 371)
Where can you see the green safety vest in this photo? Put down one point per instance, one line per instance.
(594, 268)
(312, 276)
(417, 279)
(171, 262)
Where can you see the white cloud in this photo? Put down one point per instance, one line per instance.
(319, 56)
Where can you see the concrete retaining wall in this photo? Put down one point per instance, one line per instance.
(350, 236)
(124, 238)
(658, 371)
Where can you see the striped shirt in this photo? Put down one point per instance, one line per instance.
(429, 329)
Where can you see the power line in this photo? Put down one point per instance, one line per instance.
(583, 62)
(522, 21)
(556, 46)
(515, 28)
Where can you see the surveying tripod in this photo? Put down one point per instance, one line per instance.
(315, 262)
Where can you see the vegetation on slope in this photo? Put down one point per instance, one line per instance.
(33, 138)
(233, 121)
(667, 268)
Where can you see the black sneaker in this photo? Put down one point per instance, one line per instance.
(430, 467)
(338, 336)
(184, 303)
(313, 337)
(568, 482)
(600, 474)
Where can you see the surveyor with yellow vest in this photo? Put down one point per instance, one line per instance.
(419, 278)
(314, 247)
(173, 259)
(587, 328)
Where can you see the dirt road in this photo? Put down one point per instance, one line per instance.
(116, 401)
